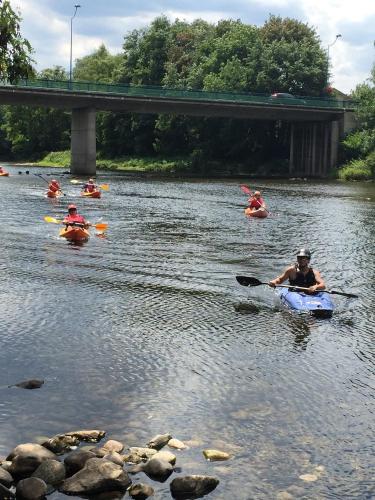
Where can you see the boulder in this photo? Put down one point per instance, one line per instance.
(89, 436)
(113, 445)
(60, 443)
(5, 478)
(31, 488)
(51, 472)
(76, 461)
(192, 486)
(98, 476)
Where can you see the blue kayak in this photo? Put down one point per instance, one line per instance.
(318, 304)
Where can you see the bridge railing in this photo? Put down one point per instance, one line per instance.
(174, 93)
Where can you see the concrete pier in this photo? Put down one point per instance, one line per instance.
(83, 142)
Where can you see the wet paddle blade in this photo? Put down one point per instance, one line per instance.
(75, 181)
(350, 295)
(105, 187)
(247, 281)
(102, 226)
(245, 189)
(52, 219)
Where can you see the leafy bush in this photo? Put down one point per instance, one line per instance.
(356, 170)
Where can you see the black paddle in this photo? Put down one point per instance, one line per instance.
(45, 180)
(247, 281)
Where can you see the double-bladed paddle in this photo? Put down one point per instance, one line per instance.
(105, 187)
(248, 281)
(45, 180)
(101, 225)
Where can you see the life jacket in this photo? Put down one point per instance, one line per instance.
(89, 188)
(78, 219)
(255, 203)
(304, 280)
(54, 187)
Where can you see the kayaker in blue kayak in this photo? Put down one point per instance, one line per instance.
(301, 274)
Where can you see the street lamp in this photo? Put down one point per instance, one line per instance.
(333, 43)
(71, 43)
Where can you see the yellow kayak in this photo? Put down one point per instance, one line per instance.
(74, 233)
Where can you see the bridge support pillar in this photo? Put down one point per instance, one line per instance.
(83, 142)
(313, 148)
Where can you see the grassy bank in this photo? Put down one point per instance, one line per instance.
(192, 166)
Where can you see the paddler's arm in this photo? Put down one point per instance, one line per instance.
(280, 279)
(320, 285)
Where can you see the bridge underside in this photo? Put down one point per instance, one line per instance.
(313, 148)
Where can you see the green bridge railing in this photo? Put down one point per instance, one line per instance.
(162, 92)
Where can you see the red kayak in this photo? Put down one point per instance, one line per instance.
(4, 174)
(91, 194)
(256, 212)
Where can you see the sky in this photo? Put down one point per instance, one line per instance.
(46, 25)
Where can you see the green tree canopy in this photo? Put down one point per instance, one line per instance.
(15, 51)
(100, 66)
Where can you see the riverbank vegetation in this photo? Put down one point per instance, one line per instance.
(359, 146)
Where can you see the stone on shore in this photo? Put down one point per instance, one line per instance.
(89, 436)
(5, 478)
(76, 461)
(113, 445)
(27, 457)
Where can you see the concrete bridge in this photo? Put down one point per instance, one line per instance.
(316, 123)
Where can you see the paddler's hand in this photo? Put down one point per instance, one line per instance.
(272, 283)
(313, 288)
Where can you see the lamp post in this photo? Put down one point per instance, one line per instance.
(333, 43)
(76, 7)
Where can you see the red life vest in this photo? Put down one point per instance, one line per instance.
(79, 219)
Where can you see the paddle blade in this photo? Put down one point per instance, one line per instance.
(246, 189)
(75, 181)
(247, 281)
(102, 226)
(350, 295)
(52, 219)
(105, 187)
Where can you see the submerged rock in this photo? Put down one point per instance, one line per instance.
(61, 443)
(215, 455)
(177, 444)
(141, 491)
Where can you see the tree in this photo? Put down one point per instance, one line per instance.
(100, 66)
(292, 59)
(15, 51)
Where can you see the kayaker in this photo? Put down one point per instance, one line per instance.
(301, 274)
(74, 219)
(90, 186)
(54, 186)
(256, 201)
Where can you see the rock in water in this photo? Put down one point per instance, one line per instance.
(192, 486)
(159, 441)
(33, 383)
(215, 455)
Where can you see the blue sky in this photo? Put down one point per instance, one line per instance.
(46, 24)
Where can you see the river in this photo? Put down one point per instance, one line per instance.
(147, 331)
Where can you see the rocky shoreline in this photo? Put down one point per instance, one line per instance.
(31, 471)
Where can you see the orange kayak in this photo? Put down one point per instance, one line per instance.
(92, 194)
(4, 174)
(74, 233)
(53, 194)
(256, 212)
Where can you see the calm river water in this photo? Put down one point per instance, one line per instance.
(147, 331)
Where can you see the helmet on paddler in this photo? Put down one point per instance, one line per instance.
(304, 253)
(256, 193)
(71, 207)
